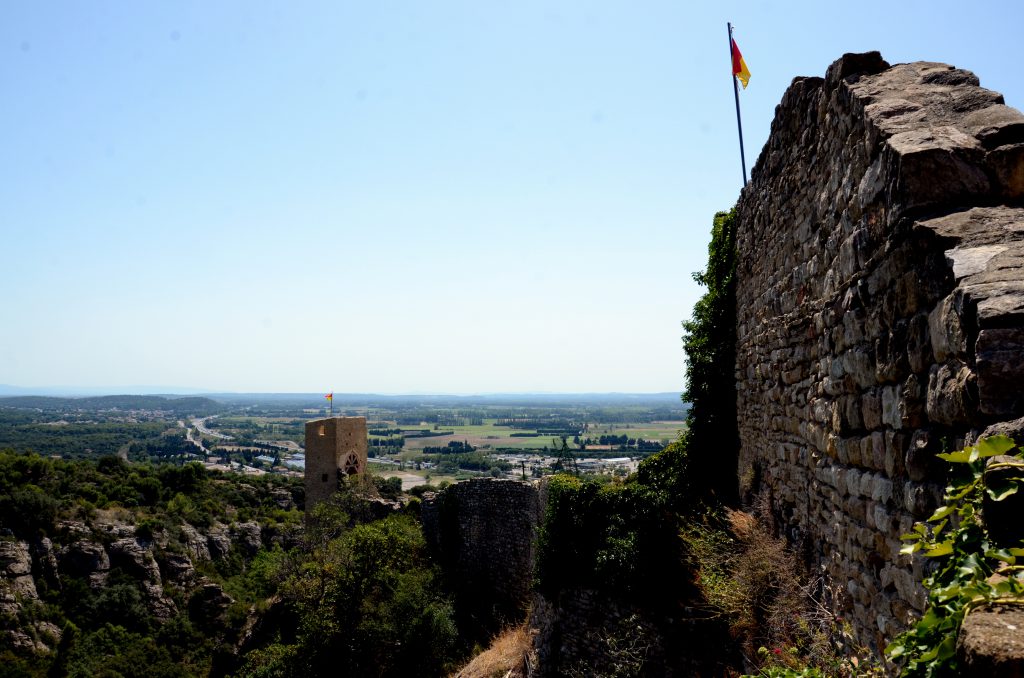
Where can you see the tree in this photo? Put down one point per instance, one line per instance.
(709, 339)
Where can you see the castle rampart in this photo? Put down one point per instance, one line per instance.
(880, 296)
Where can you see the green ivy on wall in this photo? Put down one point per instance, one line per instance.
(709, 339)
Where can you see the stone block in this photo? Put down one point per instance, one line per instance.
(851, 451)
(877, 460)
(991, 642)
(871, 409)
(852, 477)
(919, 344)
(920, 460)
(880, 489)
(917, 500)
(936, 166)
(856, 513)
(851, 419)
(852, 65)
(912, 402)
(995, 126)
(892, 365)
(946, 328)
(860, 364)
(891, 407)
(1011, 429)
(908, 293)
(1000, 370)
(1007, 163)
(895, 449)
(952, 394)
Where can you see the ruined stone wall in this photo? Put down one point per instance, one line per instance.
(880, 311)
(484, 533)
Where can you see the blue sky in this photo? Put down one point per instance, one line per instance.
(395, 196)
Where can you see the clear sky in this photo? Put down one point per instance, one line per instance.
(395, 196)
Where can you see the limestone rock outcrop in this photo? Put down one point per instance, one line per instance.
(16, 582)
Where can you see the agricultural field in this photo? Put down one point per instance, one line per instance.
(418, 439)
(490, 436)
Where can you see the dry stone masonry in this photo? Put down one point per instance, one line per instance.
(880, 311)
(335, 448)
(484, 532)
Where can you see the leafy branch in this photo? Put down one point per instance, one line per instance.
(966, 560)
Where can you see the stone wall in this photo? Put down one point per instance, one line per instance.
(880, 311)
(484, 534)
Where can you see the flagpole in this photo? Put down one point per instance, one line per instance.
(736, 93)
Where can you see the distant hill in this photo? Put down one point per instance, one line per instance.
(178, 405)
(90, 391)
(447, 400)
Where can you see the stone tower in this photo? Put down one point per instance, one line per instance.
(335, 447)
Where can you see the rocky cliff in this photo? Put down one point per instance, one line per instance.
(164, 565)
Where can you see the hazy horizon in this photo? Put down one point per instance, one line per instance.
(448, 197)
(74, 391)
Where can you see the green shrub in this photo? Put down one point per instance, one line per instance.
(113, 651)
(29, 510)
(370, 587)
(619, 538)
(965, 559)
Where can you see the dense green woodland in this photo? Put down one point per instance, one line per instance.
(80, 440)
(350, 581)
(177, 406)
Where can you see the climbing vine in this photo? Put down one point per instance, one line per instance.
(709, 340)
(966, 559)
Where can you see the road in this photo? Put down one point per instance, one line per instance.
(200, 425)
(188, 436)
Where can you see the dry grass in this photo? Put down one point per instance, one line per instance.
(781, 616)
(505, 658)
(772, 600)
(114, 516)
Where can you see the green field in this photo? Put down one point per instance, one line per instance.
(655, 430)
(490, 436)
(486, 436)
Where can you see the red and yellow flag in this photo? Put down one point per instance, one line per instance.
(739, 66)
(330, 396)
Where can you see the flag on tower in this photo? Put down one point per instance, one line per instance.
(330, 396)
(739, 66)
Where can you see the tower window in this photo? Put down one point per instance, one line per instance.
(323, 430)
(323, 478)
